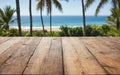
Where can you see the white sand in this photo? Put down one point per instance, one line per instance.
(54, 28)
(38, 28)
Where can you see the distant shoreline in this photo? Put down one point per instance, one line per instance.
(54, 28)
(38, 28)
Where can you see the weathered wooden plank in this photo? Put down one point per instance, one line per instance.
(87, 55)
(107, 57)
(72, 64)
(89, 64)
(10, 51)
(114, 39)
(4, 39)
(37, 60)
(52, 62)
(4, 46)
(112, 43)
(17, 63)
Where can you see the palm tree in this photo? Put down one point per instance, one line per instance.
(113, 18)
(116, 4)
(84, 20)
(40, 6)
(51, 18)
(49, 9)
(88, 3)
(48, 4)
(6, 17)
(18, 16)
(30, 11)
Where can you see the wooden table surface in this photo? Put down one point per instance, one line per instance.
(60, 55)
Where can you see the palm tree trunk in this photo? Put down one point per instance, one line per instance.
(50, 19)
(84, 20)
(119, 12)
(42, 21)
(118, 19)
(118, 24)
(30, 11)
(18, 17)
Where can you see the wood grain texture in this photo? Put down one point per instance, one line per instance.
(4, 39)
(60, 55)
(89, 64)
(49, 60)
(109, 58)
(72, 64)
(113, 43)
(17, 63)
(11, 51)
(4, 46)
(37, 60)
(53, 61)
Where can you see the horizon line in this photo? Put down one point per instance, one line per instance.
(64, 15)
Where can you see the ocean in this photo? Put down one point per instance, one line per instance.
(58, 21)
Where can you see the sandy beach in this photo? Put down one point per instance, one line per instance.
(39, 28)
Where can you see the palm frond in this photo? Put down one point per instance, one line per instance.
(40, 4)
(101, 4)
(13, 20)
(111, 20)
(48, 6)
(57, 5)
(88, 3)
(115, 13)
(6, 15)
(114, 3)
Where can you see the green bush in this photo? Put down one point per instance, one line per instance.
(25, 33)
(54, 33)
(13, 32)
(114, 32)
(89, 29)
(93, 30)
(105, 28)
(1, 32)
(77, 31)
(64, 31)
(69, 31)
(37, 33)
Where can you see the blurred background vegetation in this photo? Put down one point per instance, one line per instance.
(91, 30)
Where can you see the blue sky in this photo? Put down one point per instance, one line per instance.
(73, 7)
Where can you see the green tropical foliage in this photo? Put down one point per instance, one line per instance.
(116, 5)
(91, 30)
(6, 17)
(88, 3)
(68, 31)
(115, 14)
(49, 10)
(48, 3)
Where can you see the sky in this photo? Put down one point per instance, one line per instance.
(73, 7)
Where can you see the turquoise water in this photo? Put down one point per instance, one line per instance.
(58, 21)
